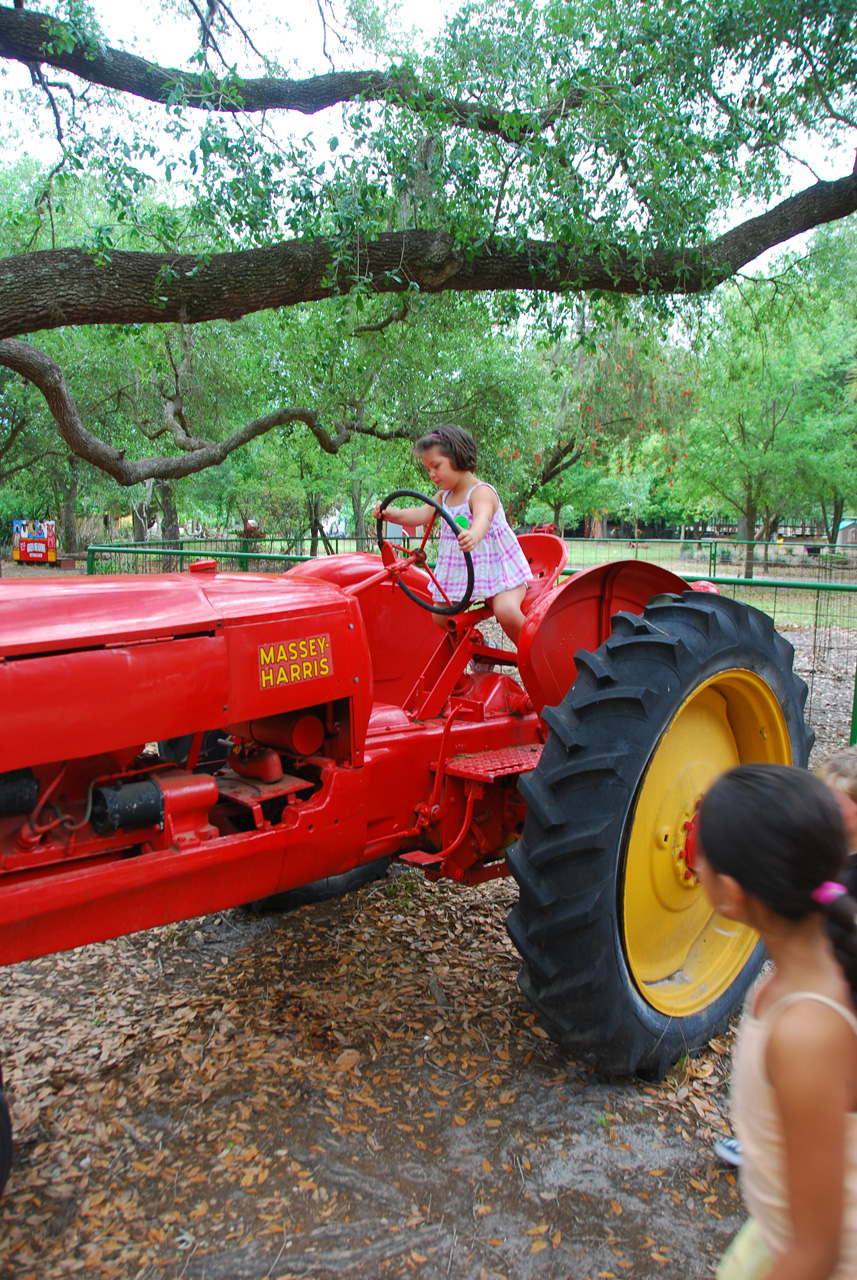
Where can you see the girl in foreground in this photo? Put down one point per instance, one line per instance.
(500, 568)
(773, 846)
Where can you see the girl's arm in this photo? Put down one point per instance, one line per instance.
(483, 504)
(412, 516)
(810, 1062)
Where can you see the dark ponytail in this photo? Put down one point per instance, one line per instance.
(779, 833)
(841, 916)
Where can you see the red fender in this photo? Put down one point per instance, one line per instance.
(577, 615)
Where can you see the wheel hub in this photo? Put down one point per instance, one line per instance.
(680, 954)
(688, 855)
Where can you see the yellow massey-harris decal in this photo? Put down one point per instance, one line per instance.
(292, 661)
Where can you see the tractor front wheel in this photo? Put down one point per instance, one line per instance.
(623, 957)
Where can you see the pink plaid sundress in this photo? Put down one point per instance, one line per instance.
(499, 564)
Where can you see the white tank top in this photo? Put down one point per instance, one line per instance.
(757, 1124)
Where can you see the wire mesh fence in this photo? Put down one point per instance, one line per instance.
(820, 620)
(807, 588)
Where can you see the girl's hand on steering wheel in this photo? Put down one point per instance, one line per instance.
(425, 514)
(467, 540)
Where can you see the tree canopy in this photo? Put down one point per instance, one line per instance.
(543, 148)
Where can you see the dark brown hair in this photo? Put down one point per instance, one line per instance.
(778, 831)
(454, 443)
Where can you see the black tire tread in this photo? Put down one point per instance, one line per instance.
(566, 863)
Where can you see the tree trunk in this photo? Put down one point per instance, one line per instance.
(139, 520)
(140, 514)
(314, 505)
(770, 520)
(748, 521)
(169, 524)
(68, 536)
(357, 511)
(838, 511)
(169, 510)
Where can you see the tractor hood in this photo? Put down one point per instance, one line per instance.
(88, 665)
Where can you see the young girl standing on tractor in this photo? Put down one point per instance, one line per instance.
(500, 568)
(772, 850)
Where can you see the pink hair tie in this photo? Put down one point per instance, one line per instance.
(828, 891)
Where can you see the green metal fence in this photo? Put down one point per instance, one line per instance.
(170, 557)
(801, 561)
(812, 599)
(815, 562)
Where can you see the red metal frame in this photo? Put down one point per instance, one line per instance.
(411, 753)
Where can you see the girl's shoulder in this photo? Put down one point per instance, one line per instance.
(813, 1008)
(769, 1000)
(490, 492)
(812, 1041)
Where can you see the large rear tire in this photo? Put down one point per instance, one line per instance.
(623, 957)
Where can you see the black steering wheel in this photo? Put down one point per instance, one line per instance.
(406, 558)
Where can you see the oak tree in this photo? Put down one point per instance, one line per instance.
(544, 147)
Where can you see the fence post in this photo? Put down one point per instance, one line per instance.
(853, 739)
(90, 560)
(243, 563)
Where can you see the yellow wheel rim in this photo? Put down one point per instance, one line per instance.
(682, 955)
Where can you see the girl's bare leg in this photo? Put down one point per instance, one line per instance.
(507, 610)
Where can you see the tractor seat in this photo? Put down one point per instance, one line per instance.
(546, 555)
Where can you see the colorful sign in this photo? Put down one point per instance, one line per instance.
(34, 541)
(294, 661)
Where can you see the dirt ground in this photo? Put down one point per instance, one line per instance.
(357, 1088)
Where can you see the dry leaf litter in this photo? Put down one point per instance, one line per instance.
(354, 1089)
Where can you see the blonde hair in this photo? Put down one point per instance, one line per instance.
(840, 772)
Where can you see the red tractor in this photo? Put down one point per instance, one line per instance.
(178, 744)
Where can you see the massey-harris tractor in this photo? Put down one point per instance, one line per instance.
(179, 744)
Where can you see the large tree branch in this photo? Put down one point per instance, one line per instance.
(562, 457)
(15, 431)
(197, 454)
(26, 465)
(45, 374)
(31, 38)
(52, 288)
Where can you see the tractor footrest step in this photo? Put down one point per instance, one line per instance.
(486, 766)
(420, 858)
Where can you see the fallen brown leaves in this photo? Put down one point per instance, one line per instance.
(358, 1089)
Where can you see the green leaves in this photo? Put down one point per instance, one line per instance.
(775, 429)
